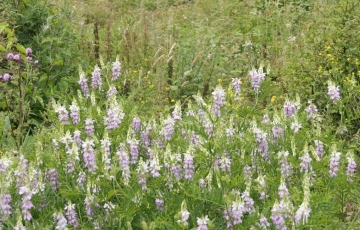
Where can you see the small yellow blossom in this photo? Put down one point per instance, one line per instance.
(172, 100)
(219, 80)
(273, 98)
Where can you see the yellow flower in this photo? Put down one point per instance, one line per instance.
(172, 100)
(328, 47)
(219, 80)
(273, 98)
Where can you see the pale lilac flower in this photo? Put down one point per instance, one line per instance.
(263, 223)
(295, 126)
(202, 223)
(319, 148)
(236, 84)
(202, 183)
(28, 52)
(334, 163)
(10, 56)
(159, 204)
(219, 99)
(63, 114)
(61, 222)
(278, 133)
(136, 123)
(142, 174)
(6, 77)
(134, 150)
(305, 163)
(256, 79)
(289, 108)
(17, 58)
(111, 92)
(261, 187)
(285, 166)
(5, 208)
(89, 205)
(184, 217)
(71, 215)
(36, 64)
(263, 146)
(89, 126)
(89, 155)
(266, 119)
(52, 176)
(303, 213)
(105, 146)
(168, 128)
(77, 138)
(114, 117)
(225, 163)
(29, 59)
(96, 81)
(124, 162)
(155, 167)
(283, 190)
(188, 166)
(116, 70)
(84, 86)
(26, 202)
(81, 179)
(248, 202)
(333, 92)
(311, 110)
(351, 167)
(75, 113)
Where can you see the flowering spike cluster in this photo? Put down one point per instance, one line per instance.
(61, 222)
(114, 117)
(71, 215)
(334, 163)
(333, 92)
(351, 167)
(188, 166)
(124, 163)
(202, 223)
(96, 81)
(219, 99)
(116, 70)
(142, 171)
(257, 77)
(236, 84)
(89, 155)
(26, 202)
(52, 176)
(289, 108)
(89, 126)
(83, 84)
(75, 113)
(63, 114)
(311, 110)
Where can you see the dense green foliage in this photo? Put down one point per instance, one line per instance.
(235, 111)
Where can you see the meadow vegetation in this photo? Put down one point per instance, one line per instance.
(179, 114)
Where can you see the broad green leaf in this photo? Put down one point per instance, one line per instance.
(2, 48)
(21, 48)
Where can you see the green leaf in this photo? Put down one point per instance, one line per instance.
(111, 193)
(174, 87)
(3, 25)
(2, 48)
(21, 48)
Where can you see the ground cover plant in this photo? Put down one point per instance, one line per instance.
(191, 116)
